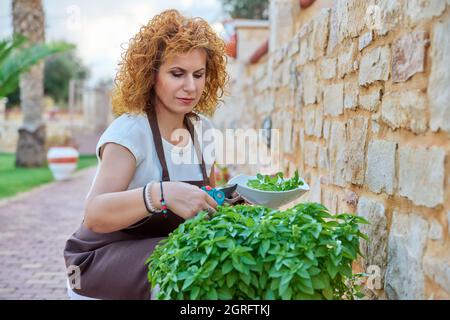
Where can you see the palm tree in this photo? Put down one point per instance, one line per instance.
(28, 20)
(15, 59)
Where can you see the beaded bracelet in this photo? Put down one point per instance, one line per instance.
(148, 198)
(144, 195)
(163, 202)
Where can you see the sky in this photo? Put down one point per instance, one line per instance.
(99, 27)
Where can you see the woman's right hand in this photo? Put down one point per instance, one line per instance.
(184, 199)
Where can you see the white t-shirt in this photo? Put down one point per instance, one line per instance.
(134, 133)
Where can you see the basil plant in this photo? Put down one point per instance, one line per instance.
(253, 252)
(275, 182)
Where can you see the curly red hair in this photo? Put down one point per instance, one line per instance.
(166, 35)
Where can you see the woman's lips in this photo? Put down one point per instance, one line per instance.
(185, 101)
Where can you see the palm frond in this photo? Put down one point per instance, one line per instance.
(17, 60)
(7, 46)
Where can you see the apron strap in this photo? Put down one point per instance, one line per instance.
(152, 119)
(151, 116)
(194, 137)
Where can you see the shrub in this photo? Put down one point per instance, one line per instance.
(253, 252)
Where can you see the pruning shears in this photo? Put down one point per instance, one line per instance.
(220, 194)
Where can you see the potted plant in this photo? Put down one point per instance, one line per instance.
(253, 252)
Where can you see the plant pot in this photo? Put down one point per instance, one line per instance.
(306, 3)
(62, 161)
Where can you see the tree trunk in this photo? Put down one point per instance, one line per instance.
(28, 19)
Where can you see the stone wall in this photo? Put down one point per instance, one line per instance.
(361, 94)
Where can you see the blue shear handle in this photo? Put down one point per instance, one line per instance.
(217, 195)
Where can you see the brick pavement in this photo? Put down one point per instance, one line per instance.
(33, 230)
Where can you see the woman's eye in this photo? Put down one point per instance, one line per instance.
(178, 75)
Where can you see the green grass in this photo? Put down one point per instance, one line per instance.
(14, 180)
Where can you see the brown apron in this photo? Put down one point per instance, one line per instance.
(112, 265)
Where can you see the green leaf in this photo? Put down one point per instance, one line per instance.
(184, 275)
(231, 279)
(268, 295)
(16, 60)
(360, 295)
(187, 283)
(305, 282)
(287, 294)
(212, 294)
(248, 259)
(321, 252)
(225, 243)
(239, 267)
(227, 267)
(304, 274)
(305, 289)
(275, 283)
(332, 269)
(328, 293)
(224, 294)
(346, 270)
(194, 293)
(265, 245)
(321, 281)
(246, 278)
(362, 235)
(310, 255)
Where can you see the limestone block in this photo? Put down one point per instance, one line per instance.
(405, 109)
(421, 175)
(439, 81)
(408, 55)
(418, 10)
(333, 99)
(328, 68)
(351, 93)
(375, 249)
(380, 172)
(406, 245)
(337, 154)
(371, 100)
(375, 66)
(309, 81)
(357, 128)
(346, 60)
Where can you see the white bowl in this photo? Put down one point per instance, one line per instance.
(271, 199)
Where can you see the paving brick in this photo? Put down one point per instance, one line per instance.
(31, 261)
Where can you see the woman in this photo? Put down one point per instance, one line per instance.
(173, 69)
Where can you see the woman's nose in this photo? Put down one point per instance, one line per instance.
(189, 84)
